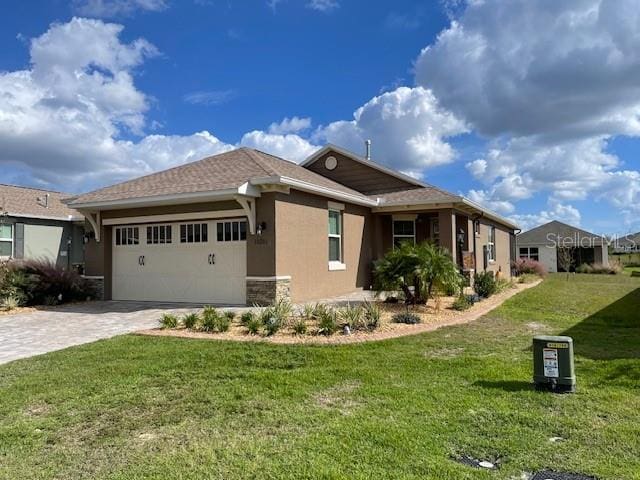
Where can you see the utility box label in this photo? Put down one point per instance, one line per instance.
(550, 356)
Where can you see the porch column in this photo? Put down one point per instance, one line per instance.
(447, 224)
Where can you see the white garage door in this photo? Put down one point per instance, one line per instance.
(195, 261)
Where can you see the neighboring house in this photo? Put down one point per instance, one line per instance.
(542, 244)
(248, 227)
(36, 224)
(627, 244)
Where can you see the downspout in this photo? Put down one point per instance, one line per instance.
(516, 232)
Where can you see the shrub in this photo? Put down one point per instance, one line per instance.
(320, 309)
(230, 315)
(406, 317)
(307, 311)
(484, 284)
(527, 265)
(300, 327)
(10, 303)
(253, 325)
(372, 315)
(212, 321)
(46, 279)
(328, 322)
(168, 320)
(223, 323)
(246, 317)
(272, 324)
(190, 320)
(599, 269)
(503, 284)
(353, 316)
(462, 303)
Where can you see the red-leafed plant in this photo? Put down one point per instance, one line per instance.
(527, 265)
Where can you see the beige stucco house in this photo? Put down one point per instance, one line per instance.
(246, 227)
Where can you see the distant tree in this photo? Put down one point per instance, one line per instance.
(565, 259)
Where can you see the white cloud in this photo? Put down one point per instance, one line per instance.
(556, 211)
(290, 125)
(323, 5)
(210, 97)
(114, 8)
(289, 146)
(407, 127)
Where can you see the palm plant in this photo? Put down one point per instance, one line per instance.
(424, 267)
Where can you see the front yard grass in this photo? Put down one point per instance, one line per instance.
(138, 407)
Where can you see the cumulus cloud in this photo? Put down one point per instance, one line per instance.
(323, 5)
(289, 146)
(556, 211)
(549, 85)
(407, 126)
(114, 8)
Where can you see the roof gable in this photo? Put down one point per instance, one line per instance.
(359, 173)
(549, 233)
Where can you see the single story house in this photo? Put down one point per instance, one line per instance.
(543, 243)
(627, 244)
(246, 227)
(35, 224)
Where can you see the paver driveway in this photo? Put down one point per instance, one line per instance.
(28, 334)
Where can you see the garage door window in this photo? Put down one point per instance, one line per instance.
(194, 233)
(158, 234)
(127, 236)
(231, 231)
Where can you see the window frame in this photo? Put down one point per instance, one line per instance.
(132, 236)
(221, 229)
(529, 255)
(162, 238)
(9, 240)
(193, 233)
(395, 235)
(336, 208)
(491, 243)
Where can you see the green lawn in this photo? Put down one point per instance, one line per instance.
(140, 407)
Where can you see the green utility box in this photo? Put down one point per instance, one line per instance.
(553, 367)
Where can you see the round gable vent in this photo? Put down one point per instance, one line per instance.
(331, 162)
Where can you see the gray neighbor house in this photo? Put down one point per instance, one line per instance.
(542, 244)
(35, 224)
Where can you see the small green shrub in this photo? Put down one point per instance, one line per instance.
(230, 315)
(223, 324)
(307, 311)
(168, 320)
(372, 315)
(272, 325)
(300, 326)
(190, 320)
(503, 284)
(328, 321)
(253, 325)
(10, 303)
(462, 303)
(353, 316)
(246, 317)
(406, 317)
(484, 284)
(599, 269)
(212, 321)
(320, 309)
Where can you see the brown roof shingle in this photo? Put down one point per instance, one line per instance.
(23, 201)
(224, 171)
(416, 195)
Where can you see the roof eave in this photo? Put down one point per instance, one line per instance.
(68, 218)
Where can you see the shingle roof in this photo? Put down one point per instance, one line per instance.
(630, 240)
(553, 232)
(416, 195)
(23, 201)
(227, 170)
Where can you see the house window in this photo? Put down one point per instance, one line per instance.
(6, 241)
(531, 253)
(158, 234)
(335, 236)
(491, 243)
(476, 227)
(404, 231)
(231, 231)
(193, 233)
(127, 236)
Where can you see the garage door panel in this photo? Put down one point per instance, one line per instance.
(181, 272)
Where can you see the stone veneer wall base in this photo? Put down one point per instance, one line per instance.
(98, 285)
(264, 291)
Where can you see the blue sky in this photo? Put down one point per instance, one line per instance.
(517, 105)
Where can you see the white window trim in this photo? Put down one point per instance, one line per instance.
(159, 244)
(140, 240)
(491, 245)
(402, 218)
(7, 239)
(187, 242)
(336, 265)
(230, 220)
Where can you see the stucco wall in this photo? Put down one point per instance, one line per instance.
(503, 248)
(302, 248)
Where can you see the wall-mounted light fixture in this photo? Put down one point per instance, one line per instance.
(262, 226)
